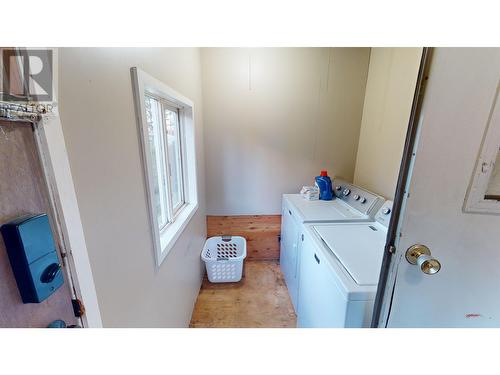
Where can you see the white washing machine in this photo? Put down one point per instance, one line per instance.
(352, 204)
(339, 271)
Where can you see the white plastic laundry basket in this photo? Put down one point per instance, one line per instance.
(223, 257)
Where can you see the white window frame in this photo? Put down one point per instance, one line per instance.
(165, 166)
(146, 85)
(475, 200)
(176, 209)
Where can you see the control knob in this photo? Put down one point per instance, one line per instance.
(386, 210)
(356, 197)
(363, 200)
(346, 192)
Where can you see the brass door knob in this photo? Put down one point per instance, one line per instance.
(421, 255)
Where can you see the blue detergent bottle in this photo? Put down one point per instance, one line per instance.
(324, 183)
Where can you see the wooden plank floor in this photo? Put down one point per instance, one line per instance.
(260, 231)
(259, 300)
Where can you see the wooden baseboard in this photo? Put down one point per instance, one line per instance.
(261, 232)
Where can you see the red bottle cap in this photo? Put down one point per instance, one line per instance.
(324, 173)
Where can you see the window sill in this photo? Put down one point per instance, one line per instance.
(170, 235)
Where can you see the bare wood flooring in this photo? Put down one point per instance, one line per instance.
(260, 231)
(259, 300)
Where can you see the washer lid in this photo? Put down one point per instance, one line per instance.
(359, 247)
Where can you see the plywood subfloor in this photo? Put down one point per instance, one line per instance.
(259, 300)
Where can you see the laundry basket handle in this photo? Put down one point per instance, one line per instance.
(226, 238)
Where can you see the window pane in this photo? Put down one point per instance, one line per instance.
(174, 156)
(157, 155)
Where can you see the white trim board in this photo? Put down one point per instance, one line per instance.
(52, 148)
(56, 166)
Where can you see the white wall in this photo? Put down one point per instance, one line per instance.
(389, 94)
(98, 119)
(274, 117)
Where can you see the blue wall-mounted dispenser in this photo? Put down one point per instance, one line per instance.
(33, 257)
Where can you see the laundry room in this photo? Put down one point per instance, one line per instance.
(274, 120)
(221, 187)
(213, 187)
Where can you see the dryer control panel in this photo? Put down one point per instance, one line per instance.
(362, 200)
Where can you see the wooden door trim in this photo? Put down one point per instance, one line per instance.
(404, 171)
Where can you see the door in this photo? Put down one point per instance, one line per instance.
(460, 103)
(23, 190)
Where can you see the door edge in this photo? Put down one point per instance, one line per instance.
(404, 172)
